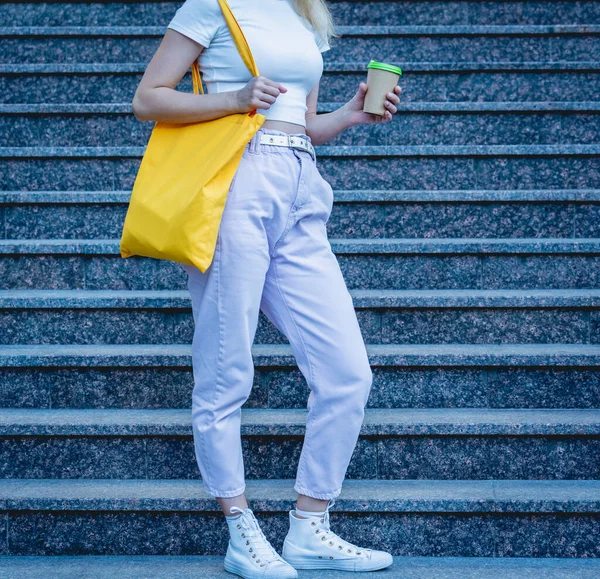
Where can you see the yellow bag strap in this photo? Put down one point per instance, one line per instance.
(240, 42)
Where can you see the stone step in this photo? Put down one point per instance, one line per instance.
(444, 444)
(184, 566)
(372, 264)
(414, 124)
(410, 518)
(356, 214)
(345, 166)
(385, 316)
(408, 13)
(463, 43)
(421, 81)
(408, 376)
(378, 422)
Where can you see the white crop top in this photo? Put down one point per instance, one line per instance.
(286, 49)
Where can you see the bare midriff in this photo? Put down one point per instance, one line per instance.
(284, 126)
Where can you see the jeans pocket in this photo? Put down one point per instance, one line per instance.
(328, 194)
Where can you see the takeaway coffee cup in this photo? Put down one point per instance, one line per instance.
(381, 79)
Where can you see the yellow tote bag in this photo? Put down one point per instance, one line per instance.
(182, 183)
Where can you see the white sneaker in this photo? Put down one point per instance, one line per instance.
(311, 544)
(249, 553)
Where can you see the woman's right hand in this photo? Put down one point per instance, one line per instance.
(259, 93)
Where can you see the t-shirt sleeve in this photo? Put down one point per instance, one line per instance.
(198, 20)
(321, 43)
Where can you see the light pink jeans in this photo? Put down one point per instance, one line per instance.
(272, 254)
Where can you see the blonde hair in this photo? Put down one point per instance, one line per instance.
(318, 15)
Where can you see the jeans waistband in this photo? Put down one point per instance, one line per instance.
(255, 146)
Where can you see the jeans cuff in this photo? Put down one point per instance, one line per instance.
(315, 495)
(224, 494)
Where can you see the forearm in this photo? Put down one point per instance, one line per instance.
(170, 105)
(324, 127)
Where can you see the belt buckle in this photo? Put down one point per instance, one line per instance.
(304, 147)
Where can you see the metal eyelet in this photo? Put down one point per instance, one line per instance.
(243, 535)
(253, 556)
(331, 542)
(313, 523)
(323, 538)
(330, 557)
(349, 550)
(239, 526)
(247, 542)
(340, 547)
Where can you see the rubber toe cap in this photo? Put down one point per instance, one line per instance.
(377, 560)
(279, 570)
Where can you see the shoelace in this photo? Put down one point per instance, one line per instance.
(329, 535)
(252, 532)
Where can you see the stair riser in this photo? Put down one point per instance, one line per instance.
(379, 326)
(348, 220)
(478, 514)
(346, 13)
(349, 48)
(61, 532)
(406, 129)
(553, 86)
(360, 272)
(462, 172)
(172, 457)
(393, 387)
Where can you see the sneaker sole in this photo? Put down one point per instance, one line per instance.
(335, 565)
(238, 570)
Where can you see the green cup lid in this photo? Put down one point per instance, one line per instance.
(384, 66)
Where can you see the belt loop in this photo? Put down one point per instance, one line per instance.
(255, 142)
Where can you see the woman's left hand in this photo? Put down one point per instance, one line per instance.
(355, 112)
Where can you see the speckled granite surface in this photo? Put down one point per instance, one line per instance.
(346, 13)
(367, 217)
(435, 167)
(385, 317)
(365, 264)
(481, 436)
(177, 355)
(118, 86)
(412, 129)
(453, 44)
(501, 518)
(394, 387)
(206, 566)
(395, 444)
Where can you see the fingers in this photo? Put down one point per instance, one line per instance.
(394, 97)
(392, 100)
(273, 87)
(391, 108)
(272, 90)
(269, 90)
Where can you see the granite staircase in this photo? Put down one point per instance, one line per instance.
(468, 231)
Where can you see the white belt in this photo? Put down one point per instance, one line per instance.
(288, 141)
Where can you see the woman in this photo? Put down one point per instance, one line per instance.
(272, 254)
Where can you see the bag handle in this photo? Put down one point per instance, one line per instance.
(240, 42)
